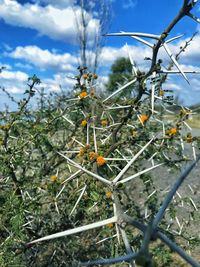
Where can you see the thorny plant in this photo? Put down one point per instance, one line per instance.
(93, 149)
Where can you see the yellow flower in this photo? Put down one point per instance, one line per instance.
(83, 94)
(161, 93)
(5, 127)
(172, 131)
(100, 161)
(189, 138)
(95, 76)
(86, 147)
(108, 194)
(81, 152)
(85, 76)
(135, 133)
(143, 118)
(54, 178)
(104, 123)
(183, 113)
(109, 225)
(83, 123)
(93, 155)
(92, 92)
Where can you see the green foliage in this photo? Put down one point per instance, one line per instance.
(37, 199)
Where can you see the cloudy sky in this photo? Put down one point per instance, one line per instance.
(40, 37)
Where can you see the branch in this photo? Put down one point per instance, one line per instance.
(177, 249)
(110, 261)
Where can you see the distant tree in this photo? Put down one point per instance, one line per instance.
(90, 44)
(121, 72)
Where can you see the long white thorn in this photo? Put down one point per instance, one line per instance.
(107, 238)
(60, 191)
(174, 61)
(71, 177)
(118, 159)
(194, 152)
(75, 230)
(177, 72)
(78, 200)
(139, 34)
(116, 226)
(117, 150)
(118, 107)
(174, 38)
(94, 175)
(194, 205)
(187, 126)
(139, 173)
(141, 40)
(120, 89)
(153, 93)
(131, 162)
(88, 135)
(95, 140)
(68, 120)
(134, 70)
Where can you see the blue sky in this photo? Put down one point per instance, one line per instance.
(39, 37)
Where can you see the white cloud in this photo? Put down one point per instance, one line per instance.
(56, 23)
(23, 66)
(10, 75)
(13, 81)
(57, 81)
(5, 66)
(57, 3)
(191, 53)
(137, 53)
(44, 59)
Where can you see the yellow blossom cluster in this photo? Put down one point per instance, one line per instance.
(143, 118)
(89, 76)
(83, 150)
(161, 93)
(172, 131)
(83, 123)
(189, 138)
(54, 178)
(5, 127)
(135, 133)
(92, 91)
(85, 76)
(93, 155)
(83, 94)
(104, 123)
(95, 76)
(100, 161)
(110, 225)
(109, 194)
